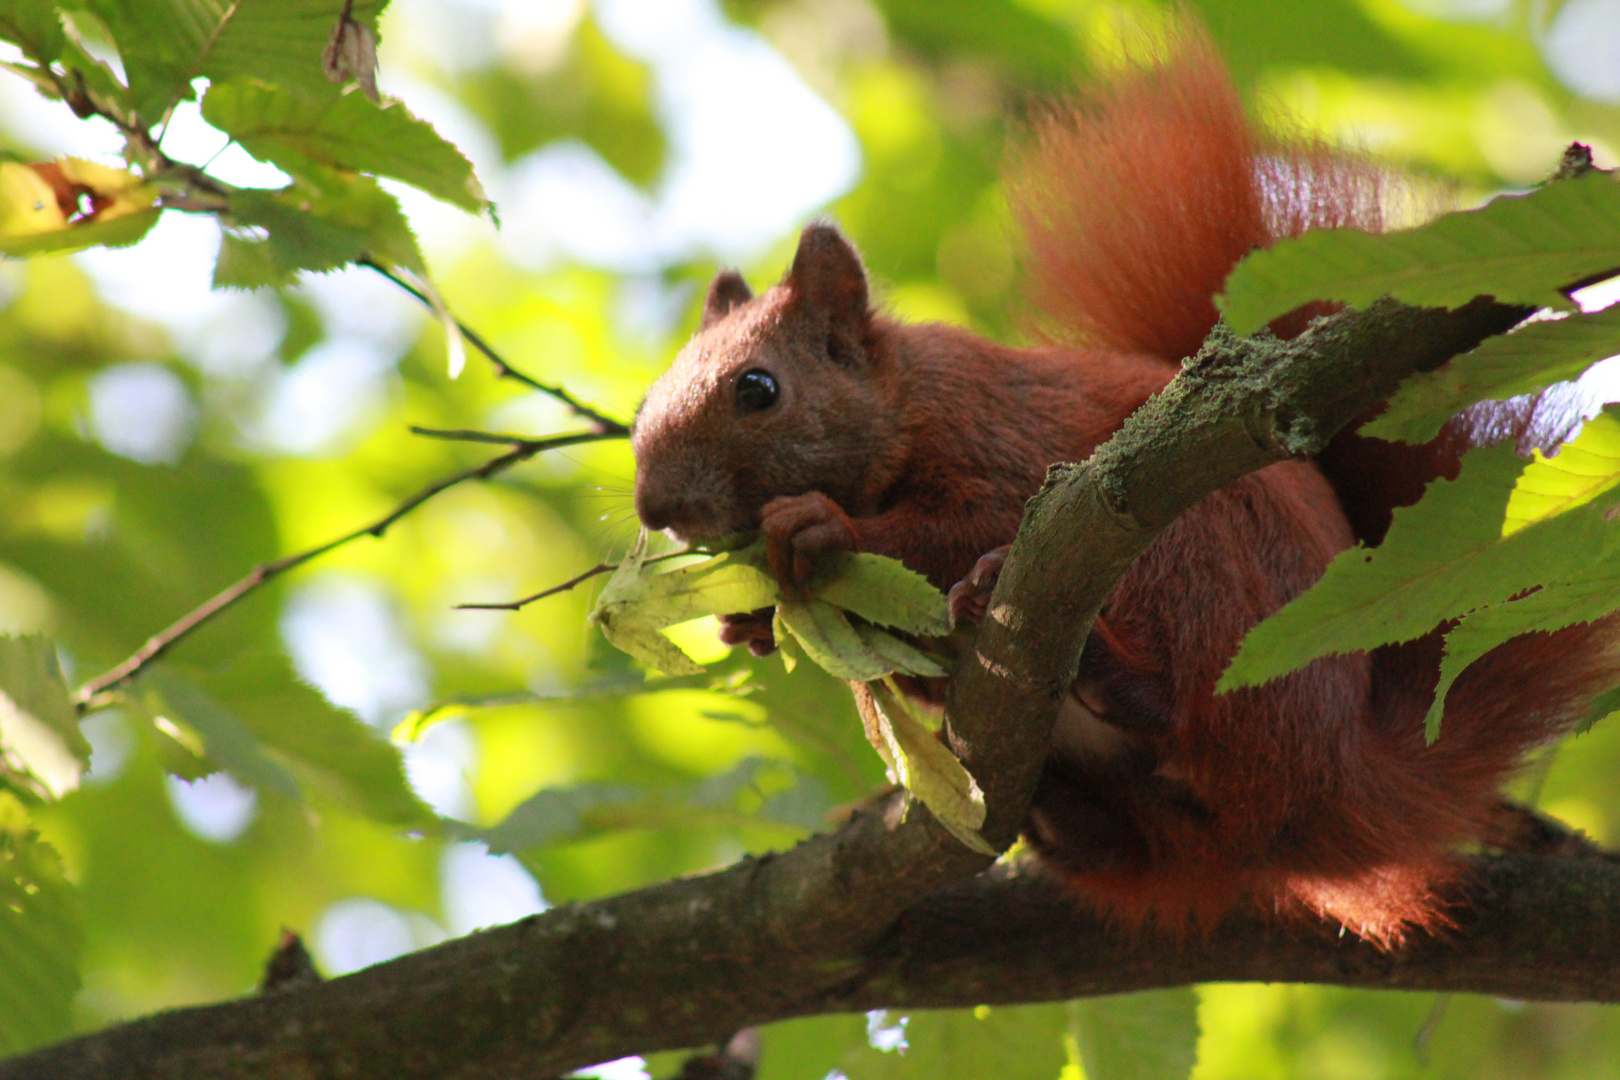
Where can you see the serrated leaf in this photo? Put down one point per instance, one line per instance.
(33, 26)
(313, 227)
(635, 605)
(899, 655)
(1550, 608)
(1602, 706)
(40, 938)
(786, 644)
(1003, 1042)
(300, 132)
(1583, 469)
(226, 740)
(561, 815)
(41, 747)
(329, 751)
(1146, 1036)
(1524, 361)
(928, 769)
(165, 44)
(554, 814)
(827, 637)
(114, 233)
(1443, 558)
(887, 592)
(1519, 249)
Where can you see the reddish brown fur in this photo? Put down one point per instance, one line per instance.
(1315, 791)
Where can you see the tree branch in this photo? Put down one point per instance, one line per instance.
(163, 640)
(606, 425)
(819, 927)
(691, 961)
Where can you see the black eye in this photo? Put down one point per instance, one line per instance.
(756, 390)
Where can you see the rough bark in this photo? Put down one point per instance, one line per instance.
(889, 911)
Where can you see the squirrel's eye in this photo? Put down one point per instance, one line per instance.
(756, 390)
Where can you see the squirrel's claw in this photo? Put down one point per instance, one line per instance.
(751, 628)
(970, 597)
(799, 530)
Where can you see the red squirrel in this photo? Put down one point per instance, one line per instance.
(806, 413)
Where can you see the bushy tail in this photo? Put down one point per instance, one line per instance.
(1137, 198)
(1135, 201)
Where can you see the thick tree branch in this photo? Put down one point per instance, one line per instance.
(819, 927)
(689, 962)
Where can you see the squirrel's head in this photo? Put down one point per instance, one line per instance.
(773, 396)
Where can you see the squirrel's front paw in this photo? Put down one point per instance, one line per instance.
(751, 628)
(799, 530)
(970, 597)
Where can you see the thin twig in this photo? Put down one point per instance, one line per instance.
(600, 568)
(604, 424)
(502, 439)
(514, 605)
(160, 642)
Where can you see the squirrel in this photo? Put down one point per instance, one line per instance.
(808, 414)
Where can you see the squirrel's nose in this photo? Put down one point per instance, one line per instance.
(658, 511)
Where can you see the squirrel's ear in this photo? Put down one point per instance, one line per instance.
(827, 279)
(727, 291)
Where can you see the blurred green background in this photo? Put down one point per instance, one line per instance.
(157, 439)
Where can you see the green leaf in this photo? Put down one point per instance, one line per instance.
(33, 26)
(887, 592)
(40, 937)
(1006, 1042)
(316, 228)
(827, 637)
(121, 231)
(561, 815)
(165, 44)
(928, 769)
(1552, 607)
(1443, 558)
(1519, 249)
(1583, 469)
(554, 814)
(636, 604)
(1146, 1036)
(1603, 706)
(41, 748)
(898, 654)
(225, 739)
(304, 132)
(1521, 362)
(331, 751)
(273, 731)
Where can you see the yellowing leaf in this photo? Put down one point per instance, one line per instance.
(27, 203)
(827, 638)
(900, 655)
(885, 591)
(928, 769)
(1582, 470)
(71, 203)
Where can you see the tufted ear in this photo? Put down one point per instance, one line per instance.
(828, 281)
(727, 292)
